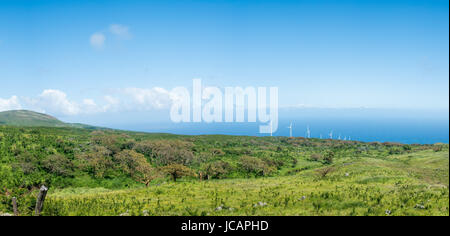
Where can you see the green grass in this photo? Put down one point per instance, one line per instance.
(24, 118)
(28, 118)
(367, 179)
(411, 184)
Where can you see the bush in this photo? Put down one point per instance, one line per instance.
(252, 165)
(328, 158)
(109, 141)
(217, 152)
(395, 150)
(438, 148)
(316, 157)
(98, 161)
(136, 165)
(27, 163)
(216, 170)
(58, 164)
(325, 171)
(166, 152)
(177, 171)
(277, 163)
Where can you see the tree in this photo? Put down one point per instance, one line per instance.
(58, 164)
(98, 161)
(177, 171)
(216, 170)
(316, 157)
(256, 166)
(136, 165)
(27, 162)
(328, 158)
(325, 171)
(109, 141)
(166, 152)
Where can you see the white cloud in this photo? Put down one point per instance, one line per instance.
(97, 40)
(56, 102)
(89, 102)
(112, 104)
(147, 99)
(111, 100)
(10, 104)
(120, 30)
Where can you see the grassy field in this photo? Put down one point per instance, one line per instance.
(112, 172)
(407, 184)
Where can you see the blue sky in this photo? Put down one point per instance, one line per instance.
(75, 58)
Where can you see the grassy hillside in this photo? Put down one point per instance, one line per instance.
(408, 185)
(28, 118)
(24, 118)
(90, 171)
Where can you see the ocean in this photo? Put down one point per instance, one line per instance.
(408, 131)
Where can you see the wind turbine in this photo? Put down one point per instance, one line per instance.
(331, 134)
(308, 132)
(290, 130)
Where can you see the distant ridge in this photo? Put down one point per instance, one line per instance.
(34, 119)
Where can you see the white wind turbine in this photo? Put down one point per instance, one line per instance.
(331, 134)
(290, 130)
(308, 132)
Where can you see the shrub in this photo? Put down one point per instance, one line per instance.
(277, 163)
(177, 171)
(316, 157)
(328, 158)
(58, 164)
(217, 152)
(438, 148)
(216, 170)
(136, 165)
(97, 161)
(252, 165)
(325, 171)
(395, 150)
(27, 163)
(407, 148)
(109, 141)
(166, 152)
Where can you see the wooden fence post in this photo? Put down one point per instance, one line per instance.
(40, 200)
(14, 203)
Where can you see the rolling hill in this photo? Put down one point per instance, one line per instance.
(34, 119)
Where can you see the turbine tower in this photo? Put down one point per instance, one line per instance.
(308, 132)
(290, 130)
(331, 134)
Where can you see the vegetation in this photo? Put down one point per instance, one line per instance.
(405, 185)
(90, 172)
(26, 118)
